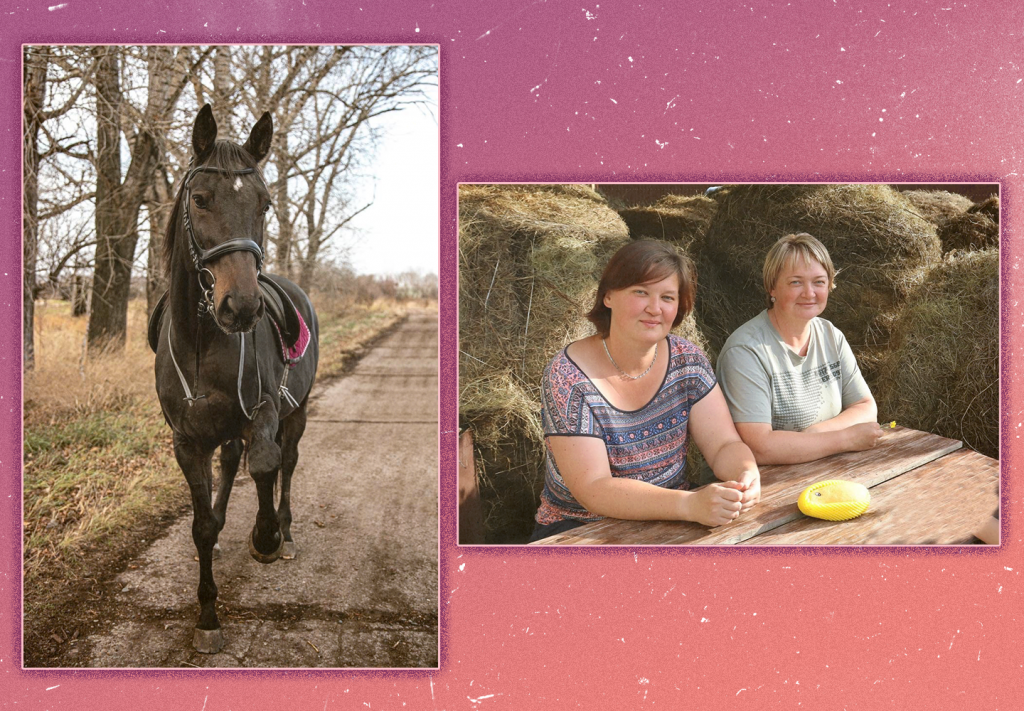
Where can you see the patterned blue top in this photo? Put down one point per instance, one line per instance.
(648, 444)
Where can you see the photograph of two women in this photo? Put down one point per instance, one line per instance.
(749, 364)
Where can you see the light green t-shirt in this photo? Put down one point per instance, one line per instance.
(764, 380)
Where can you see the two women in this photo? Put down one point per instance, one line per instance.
(619, 407)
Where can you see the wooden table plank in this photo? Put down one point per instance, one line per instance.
(898, 451)
(940, 503)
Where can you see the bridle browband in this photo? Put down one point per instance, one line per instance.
(200, 256)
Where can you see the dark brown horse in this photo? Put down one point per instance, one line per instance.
(227, 374)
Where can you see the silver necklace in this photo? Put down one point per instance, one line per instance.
(624, 373)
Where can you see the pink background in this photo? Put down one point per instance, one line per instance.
(624, 91)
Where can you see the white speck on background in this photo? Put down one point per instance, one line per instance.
(51, 9)
(462, 567)
(738, 692)
(52, 687)
(612, 100)
(703, 619)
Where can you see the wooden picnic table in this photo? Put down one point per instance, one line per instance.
(924, 489)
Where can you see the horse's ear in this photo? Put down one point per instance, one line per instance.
(258, 144)
(204, 132)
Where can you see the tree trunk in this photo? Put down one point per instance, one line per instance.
(222, 90)
(35, 95)
(79, 295)
(115, 236)
(285, 232)
(118, 203)
(159, 206)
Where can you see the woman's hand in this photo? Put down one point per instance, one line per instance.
(715, 504)
(751, 482)
(728, 456)
(863, 436)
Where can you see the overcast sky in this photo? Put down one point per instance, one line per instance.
(399, 231)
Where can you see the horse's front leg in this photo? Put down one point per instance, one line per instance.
(291, 431)
(266, 541)
(195, 464)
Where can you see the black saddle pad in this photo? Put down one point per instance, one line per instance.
(155, 320)
(279, 306)
(281, 309)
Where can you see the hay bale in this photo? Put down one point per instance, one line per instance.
(529, 260)
(530, 257)
(680, 219)
(942, 373)
(978, 228)
(938, 206)
(877, 240)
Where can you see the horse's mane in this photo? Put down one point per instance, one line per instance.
(225, 154)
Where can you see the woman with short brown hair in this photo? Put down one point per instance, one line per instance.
(619, 408)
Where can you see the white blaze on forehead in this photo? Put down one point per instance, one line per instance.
(238, 184)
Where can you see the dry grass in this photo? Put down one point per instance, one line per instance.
(97, 452)
(942, 373)
(347, 327)
(682, 220)
(938, 206)
(977, 228)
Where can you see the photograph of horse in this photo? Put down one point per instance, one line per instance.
(221, 221)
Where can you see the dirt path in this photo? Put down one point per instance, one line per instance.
(363, 590)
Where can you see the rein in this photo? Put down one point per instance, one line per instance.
(200, 258)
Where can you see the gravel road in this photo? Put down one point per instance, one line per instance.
(363, 590)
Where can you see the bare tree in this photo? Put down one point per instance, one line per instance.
(323, 115)
(118, 202)
(37, 62)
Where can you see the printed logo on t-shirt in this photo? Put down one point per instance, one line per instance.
(798, 397)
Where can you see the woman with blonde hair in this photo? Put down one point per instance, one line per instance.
(793, 386)
(619, 408)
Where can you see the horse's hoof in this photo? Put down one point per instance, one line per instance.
(208, 641)
(289, 550)
(264, 558)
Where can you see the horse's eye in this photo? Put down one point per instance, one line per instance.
(266, 208)
(199, 201)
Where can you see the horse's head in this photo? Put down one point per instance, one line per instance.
(225, 201)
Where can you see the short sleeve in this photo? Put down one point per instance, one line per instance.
(699, 373)
(746, 385)
(564, 406)
(855, 388)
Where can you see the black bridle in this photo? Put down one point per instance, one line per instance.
(201, 257)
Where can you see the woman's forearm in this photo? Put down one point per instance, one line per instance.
(733, 462)
(783, 447)
(859, 412)
(633, 500)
